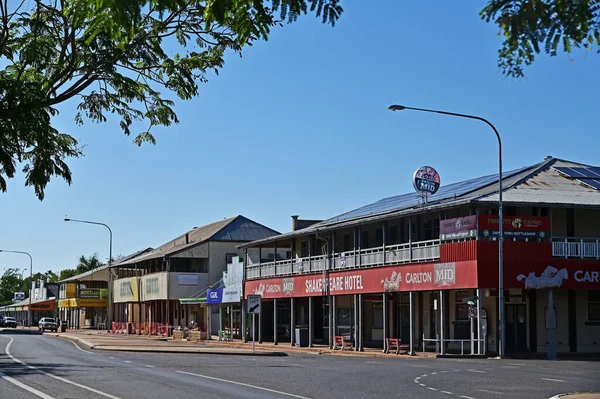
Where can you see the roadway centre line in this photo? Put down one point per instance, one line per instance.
(447, 393)
(553, 379)
(242, 384)
(26, 387)
(466, 397)
(149, 365)
(7, 351)
(477, 371)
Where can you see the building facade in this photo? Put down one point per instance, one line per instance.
(428, 273)
(166, 288)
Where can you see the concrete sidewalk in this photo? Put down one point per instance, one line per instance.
(577, 396)
(105, 342)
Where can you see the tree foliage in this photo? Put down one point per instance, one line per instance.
(10, 283)
(125, 58)
(88, 263)
(531, 27)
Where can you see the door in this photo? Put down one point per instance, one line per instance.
(516, 328)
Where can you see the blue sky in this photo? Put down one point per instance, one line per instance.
(300, 125)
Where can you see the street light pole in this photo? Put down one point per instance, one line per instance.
(109, 317)
(30, 278)
(500, 215)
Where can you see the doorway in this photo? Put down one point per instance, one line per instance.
(516, 327)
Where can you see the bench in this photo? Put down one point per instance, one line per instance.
(396, 345)
(342, 342)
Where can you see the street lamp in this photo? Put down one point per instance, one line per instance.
(501, 230)
(30, 278)
(109, 264)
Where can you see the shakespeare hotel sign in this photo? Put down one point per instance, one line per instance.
(423, 277)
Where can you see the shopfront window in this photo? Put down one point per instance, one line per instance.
(462, 308)
(378, 316)
(593, 306)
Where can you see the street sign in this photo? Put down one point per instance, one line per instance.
(472, 312)
(472, 300)
(254, 303)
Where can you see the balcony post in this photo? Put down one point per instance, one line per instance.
(383, 234)
(410, 239)
(359, 247)
(309, 253)
(566, 248)
(354, 246)
(581, 252)
(275, 260)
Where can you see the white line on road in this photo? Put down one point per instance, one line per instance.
(444, 371)
(26, 387)
(416, 380)
(83, 350)
(112, 357)
(477, 371)
(432, 389)
(553, 379)
(422, 385)
(7, 351)
(509, 367)
(516, 364)
(127, 361)
(372, 362)
(447, 393)
(466, 397)
(489, 391)
(435, 372)
(149, 365)
(242, 384)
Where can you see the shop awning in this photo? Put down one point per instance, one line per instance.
(193, 301)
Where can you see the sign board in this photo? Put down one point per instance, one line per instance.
(515, 226)
(472, 300)
(472, 312)
(19, 296)
(426, 180)
(254, 304)
(457, 228)
(214, 296)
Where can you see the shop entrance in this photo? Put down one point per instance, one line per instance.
(516, 328)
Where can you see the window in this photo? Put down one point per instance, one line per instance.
(393, 235)
(462, 308)
(304, 249)
(379, 237)
(431, 229)
(346, 243)
(593, 306)
(378, 316)
(364, 239)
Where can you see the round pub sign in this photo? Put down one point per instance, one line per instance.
(426, 180)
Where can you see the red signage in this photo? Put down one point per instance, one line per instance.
(463, 227)
(422, 277)
(515, 226)
(565, 274)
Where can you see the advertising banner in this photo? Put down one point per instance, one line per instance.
(515, 226)
(70, 290)
(214, 296)
(457, 228)
(422, 277)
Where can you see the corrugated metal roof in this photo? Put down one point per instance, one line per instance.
(103, 267)
(236, 229)
(549, 187)
(454, 194)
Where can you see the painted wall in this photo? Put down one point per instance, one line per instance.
(186, 285)
(588, 335)
(561, 334)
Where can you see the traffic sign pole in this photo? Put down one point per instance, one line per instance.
(253, 332)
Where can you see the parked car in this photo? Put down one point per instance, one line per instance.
(1, 321)
(10, 322)
(48, 323)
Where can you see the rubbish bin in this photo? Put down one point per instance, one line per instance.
(301, 336)
(63, 326)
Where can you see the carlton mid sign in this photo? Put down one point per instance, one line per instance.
(426, 180)
(423, 277)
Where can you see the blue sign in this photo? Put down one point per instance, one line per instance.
(214, 296)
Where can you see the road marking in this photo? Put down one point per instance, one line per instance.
(478, 371)
(447, 393)
(111, 357)
(422, 385)
(372, 362)
(416, 380)
(242, 384)
(488, 391)
(26, 387)
(516, 364)
(445, 371)
(433, 389)
(424, 375)
(553, 379)
(509, 367)
(127, 361)
(434, 373)
(78, 347)
(419, 365)
(7, 351)
(466, 397)
(149, 365)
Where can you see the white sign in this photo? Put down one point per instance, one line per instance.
(188, 279)
(232, 279)
(254, 304)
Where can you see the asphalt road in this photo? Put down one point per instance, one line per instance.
(37, 366)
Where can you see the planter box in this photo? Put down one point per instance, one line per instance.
(178, 336)
(196, 336)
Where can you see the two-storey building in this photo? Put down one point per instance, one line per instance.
(166, 287)
(401, 265)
